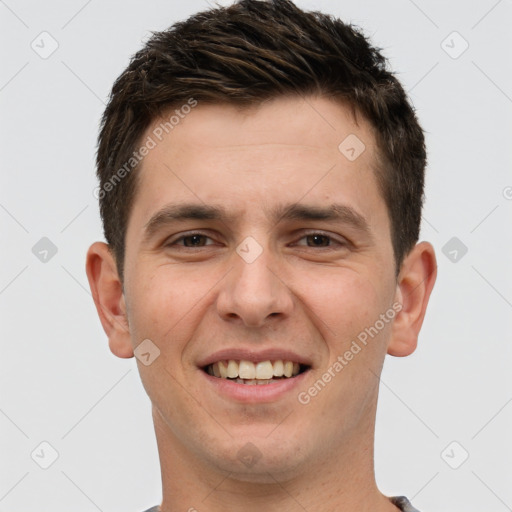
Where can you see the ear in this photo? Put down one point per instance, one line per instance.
(108, 296)
(415, 282)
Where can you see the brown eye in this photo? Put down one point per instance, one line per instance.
(318, 240)
(194, 240)
(322, 240)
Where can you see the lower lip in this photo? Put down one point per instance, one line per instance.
(256, 393)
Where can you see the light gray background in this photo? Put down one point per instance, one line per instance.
(60, 384)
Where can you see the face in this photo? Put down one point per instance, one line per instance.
(255, 238)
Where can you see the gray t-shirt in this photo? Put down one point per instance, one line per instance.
(400, 501)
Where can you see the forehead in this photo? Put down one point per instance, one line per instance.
(283, 151)
(314, 124)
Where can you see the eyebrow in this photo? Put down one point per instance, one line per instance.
(192, 211)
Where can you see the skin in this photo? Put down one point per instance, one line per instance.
(312, 295)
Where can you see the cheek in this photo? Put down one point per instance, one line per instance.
(161, 309)
(156, 304)
(342, 302)
(165, 303)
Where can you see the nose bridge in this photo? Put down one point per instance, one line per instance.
(253, 291)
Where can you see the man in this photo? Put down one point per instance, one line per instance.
(261, 184)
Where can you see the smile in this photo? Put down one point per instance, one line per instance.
(254, 373)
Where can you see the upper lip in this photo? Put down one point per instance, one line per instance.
(238, 354)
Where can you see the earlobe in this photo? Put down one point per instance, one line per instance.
(414, 286)
(107, 293)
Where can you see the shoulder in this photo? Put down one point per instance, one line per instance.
(401, 502)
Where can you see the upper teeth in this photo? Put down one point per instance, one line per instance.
(248, 370)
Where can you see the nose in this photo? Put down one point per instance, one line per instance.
(254, 293)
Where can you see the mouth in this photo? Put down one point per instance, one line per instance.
(255, 372)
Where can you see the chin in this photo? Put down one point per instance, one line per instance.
(260, 459)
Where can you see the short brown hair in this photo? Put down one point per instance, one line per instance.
(244, 54)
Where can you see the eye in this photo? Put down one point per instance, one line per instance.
(314, 239)
(190, 240)
(318, 239)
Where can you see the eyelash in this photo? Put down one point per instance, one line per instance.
(332, 239)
